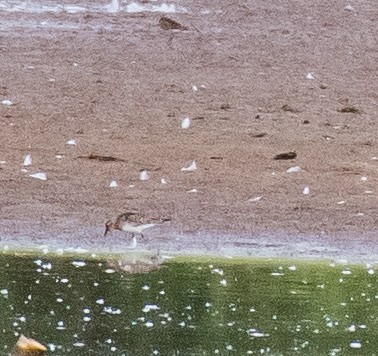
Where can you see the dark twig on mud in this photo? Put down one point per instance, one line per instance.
(102, 158)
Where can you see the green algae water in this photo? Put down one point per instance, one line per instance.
(91, 306)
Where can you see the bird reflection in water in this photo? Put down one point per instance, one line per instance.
(137, 265)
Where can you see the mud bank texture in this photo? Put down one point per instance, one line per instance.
(95, 97)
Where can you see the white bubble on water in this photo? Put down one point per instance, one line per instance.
(352, 328)
(79, 263)
(149, 307)
(355, 344)
(78, 344)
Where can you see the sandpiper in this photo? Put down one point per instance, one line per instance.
(133, 223)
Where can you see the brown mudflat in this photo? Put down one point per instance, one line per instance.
(120, 85)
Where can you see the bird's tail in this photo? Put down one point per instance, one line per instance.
(147, 226)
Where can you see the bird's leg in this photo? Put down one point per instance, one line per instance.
(134, 242)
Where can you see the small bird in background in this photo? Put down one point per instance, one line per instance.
(133, 223)
(28, 347)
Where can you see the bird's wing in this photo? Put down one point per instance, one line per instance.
(137, 218)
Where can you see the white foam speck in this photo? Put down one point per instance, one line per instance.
(191, 168)
(306, 190)
(71, 142)
(100, 301)
(349, 7)
(294, 169)
(185, 124)
(364, 179)
(352, 328)
(52, 347)
(39, 175)
(109, 270)
(223, 282)
(143, 175)
(114, 311)
(58, 156)
(163, 181)
(149, 324)
(355, 344)
(7, 102)
(146, 287)
(78, 263)
(78, 344)
(149, 307)
(27, 160)
(194, 190)
(256, 333)
(310, 76)
(113, 184)
(4, 291)
(194, 88)
(256, 199)
(341, 202)
(292, 268)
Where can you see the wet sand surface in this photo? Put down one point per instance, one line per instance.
(120, 85)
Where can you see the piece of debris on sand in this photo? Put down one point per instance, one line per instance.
(349, 109)
(102, 158)
(288, 108)
(168, 24)
(286, 155)
(28, 347)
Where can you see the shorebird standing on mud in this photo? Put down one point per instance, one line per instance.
(133, 223)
